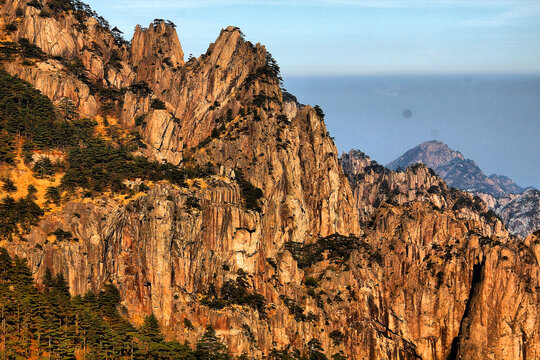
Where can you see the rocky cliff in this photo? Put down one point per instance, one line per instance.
(450, 317)
(522, 213)
(464, 174)
(377, 265)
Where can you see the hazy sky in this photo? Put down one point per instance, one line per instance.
(326, 48)
(344, 37)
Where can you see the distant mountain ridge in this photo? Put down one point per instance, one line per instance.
(457, 171)
(518, 208)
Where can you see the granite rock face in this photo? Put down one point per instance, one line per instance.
(522, 214)
(398, 263)
(457, 265)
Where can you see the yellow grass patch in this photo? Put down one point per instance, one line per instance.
(23, 176)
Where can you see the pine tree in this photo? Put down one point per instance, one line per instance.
(151, 328)
(316, 350)
(209, 347)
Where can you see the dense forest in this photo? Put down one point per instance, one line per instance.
(46, 322)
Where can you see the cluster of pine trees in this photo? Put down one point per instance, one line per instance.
(46, 322)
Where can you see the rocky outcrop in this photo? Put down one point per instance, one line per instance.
(431, 153)
(454, 246)
(496, 190)
(53, 81)
(506, 184)
(522, 214)
(449, 164)
(159, 44)
(373, 184)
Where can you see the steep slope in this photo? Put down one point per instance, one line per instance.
(445, 254)
(224, 108)
(506, 184)
(247, 222)
(431, 153)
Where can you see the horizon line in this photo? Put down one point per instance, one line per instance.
(407, 74)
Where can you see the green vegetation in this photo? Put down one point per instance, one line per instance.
(24, 111)
(92, 163)
(250, 192)
(193, 203)
(337, 337)
(10, 27)
(7, 149)
(338, 248)
(157, 104)
(43, 168)
(319, 111)
(310, 281)
(296, 310)
(235, 292)
(8, 185)
(48, 323)
(18, 216)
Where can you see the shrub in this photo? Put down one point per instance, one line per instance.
(157, 104)
(7, 149)
(18, 216)
(31, 192)
(193, 203)
(310, 281)
(296, 310)
(43, 168)
(141, 88)
(44, 14)
(53, 194)
(143, 187)
(250, 192)
(9, 185)
(338, 247)
(62, 235)
(36, 4)
(139, 120)
(188, 324)
(319, 111)
(337, 337)
(235, 292)
(29, 50)
(10, 27)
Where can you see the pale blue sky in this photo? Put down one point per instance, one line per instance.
(355, 37)
(326, 48)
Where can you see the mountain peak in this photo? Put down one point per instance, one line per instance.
(432, 153)
(159, 40)
(457, 171)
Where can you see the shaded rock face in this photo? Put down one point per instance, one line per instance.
(464, 174)
(405, 267)
(506, 184)
(522, 214)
